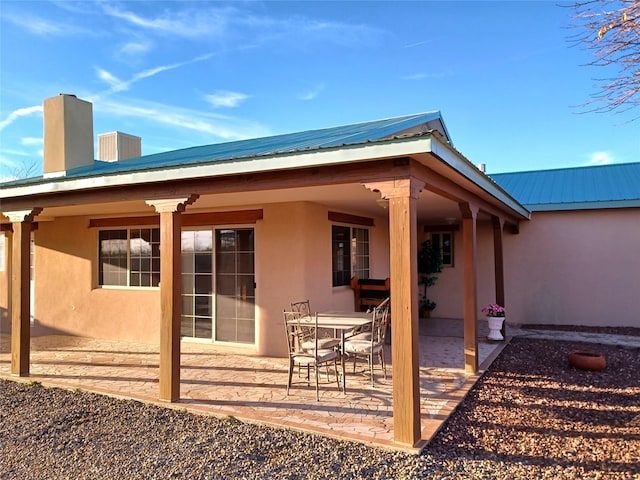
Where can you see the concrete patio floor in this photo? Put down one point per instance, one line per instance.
(217, 381)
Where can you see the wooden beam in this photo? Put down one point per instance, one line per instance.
(296, 178)
(498, 259)
(170, 293)
(352, 219)
(170, 268)
(403, 245)
(6, 227)
(21, 290)
(436, 183)
(236, 217)
(149, 220)
(469, 254)
(20, 300)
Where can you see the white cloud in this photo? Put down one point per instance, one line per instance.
(422, 76)
(312, 93)
(180, 23)
(21, 112)
(600, 158)
(31, 141)
(221, 126)
(44, 27)
(225, 98)
(135, 48)
(118, 85)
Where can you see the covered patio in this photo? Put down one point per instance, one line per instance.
(74, 266)
(219, 382)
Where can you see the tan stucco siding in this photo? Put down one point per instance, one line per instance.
(293, 262)
(572, 268)
(575, 268)
(67, 297)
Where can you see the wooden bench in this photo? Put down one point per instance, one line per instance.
(369, 292)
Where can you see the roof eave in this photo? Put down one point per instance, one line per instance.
(338, 155)
(558, 207)
(460, 163)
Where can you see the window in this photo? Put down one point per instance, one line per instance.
(444, 242)
(129, 257)
(350, 253)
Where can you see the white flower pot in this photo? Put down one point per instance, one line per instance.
(495, 327)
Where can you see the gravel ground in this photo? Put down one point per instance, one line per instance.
(531, 416)
(631, 331)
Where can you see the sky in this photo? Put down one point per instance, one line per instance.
(505, 75)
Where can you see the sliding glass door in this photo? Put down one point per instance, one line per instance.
(218, 285)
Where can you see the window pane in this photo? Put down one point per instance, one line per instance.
(186, 327)
(226, 241)
(245, 263)
(226, 262)
(187, 241)
(203, 327)
(360, 253)
(341, 253)
(203, 263)
(112, 257)
(203, 241)
(145, 257)
(203, 284)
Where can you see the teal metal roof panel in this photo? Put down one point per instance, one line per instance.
(259, 147)
(605, 186)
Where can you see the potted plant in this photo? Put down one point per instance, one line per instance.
(495, 317)
(429, 264)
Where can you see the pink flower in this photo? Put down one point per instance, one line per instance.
(494, 310)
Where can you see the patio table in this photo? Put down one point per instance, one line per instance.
(343, 322)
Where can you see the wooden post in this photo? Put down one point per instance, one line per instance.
(20, 290)
(498, 258)
(469, 219)
(402, 195)
(170, 293)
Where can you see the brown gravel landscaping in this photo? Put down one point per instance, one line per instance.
(530, 416)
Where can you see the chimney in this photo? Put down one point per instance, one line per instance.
(116, 146)
(482, 167)
(68, 134)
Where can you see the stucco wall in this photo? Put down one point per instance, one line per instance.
(572, 268)
(575, 268)
(67, 299)
(293, 262)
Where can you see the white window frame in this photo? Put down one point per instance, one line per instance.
(128, 286)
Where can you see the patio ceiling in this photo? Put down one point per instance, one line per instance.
(355, 198)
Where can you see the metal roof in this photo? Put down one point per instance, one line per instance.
(259, 147)
(605, 186)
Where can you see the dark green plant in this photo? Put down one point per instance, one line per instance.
(429, 264)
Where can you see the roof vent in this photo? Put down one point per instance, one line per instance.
(116, 146)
